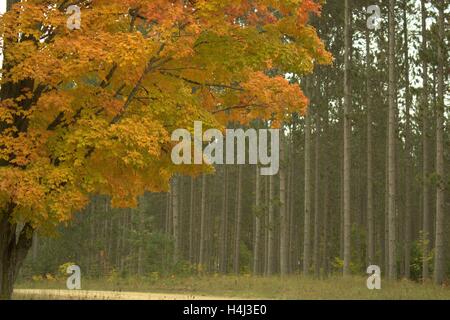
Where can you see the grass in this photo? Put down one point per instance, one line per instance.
(292, 287)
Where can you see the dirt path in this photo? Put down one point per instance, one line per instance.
(38, 294)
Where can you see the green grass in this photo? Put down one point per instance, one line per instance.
(292, 287)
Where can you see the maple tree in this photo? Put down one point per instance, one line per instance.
(91, 111)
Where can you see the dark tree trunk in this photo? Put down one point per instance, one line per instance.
(439, 266)
(257, 239)
(13, 250)
(202, 258)
(408, 149)
(223, 243)
(237, 232)
(425, 151)
(191, 222)
(347, 137)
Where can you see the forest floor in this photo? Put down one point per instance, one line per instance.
(54, 294)
(232, 287)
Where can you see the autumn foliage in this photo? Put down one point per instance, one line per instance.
(91, 111)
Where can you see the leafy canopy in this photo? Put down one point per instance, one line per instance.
(91, 110)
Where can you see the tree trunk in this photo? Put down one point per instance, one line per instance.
(237, 229)
(266, 224)
(284, 231)
(271, 230)
(370, 218)
(292, 223)
(307, 227)
(191, 222)
(168, 220)
(392, 145)
(341, 205)
(202, 260)
(141, 228)
(386, 209)
(223, 243)
(14, 248)
(425, 151)
(408, 149)
(35, 248)
(439, 262)
(175, 218)
(317, 200)
(347, 133)
(326, 196)
(257, 243)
